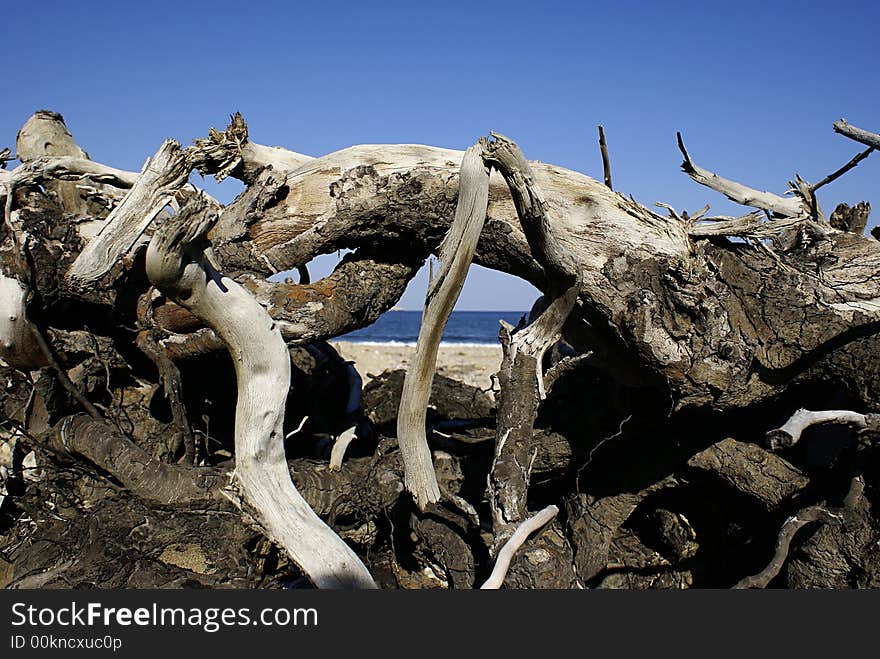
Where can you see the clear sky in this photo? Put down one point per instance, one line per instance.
(753, 86)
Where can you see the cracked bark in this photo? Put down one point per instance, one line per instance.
(176, 265)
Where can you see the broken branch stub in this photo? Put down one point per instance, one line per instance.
(162, 176)
(456, 253)
(866, 137)
(177, 265)
(606, 160)
(531, 209)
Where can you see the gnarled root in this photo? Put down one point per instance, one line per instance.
(176, 264)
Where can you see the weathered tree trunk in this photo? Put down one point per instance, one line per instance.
(177, 266)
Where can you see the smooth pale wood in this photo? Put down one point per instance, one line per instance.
(45, 134)
(18, 347)
(741, 194)
(177, 266)
(456, 254)
(256, 156)
(508, 551)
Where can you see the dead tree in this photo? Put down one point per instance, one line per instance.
(678, 322)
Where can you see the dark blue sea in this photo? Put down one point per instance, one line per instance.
(474, 327)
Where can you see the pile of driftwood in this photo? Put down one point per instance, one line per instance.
(170, 417)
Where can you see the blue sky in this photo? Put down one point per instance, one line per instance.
(753, 86)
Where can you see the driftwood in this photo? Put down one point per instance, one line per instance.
(456, 253)
(633, 397)
(176, 265)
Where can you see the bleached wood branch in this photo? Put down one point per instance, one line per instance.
(790, 434)
(67, 168)
(340, 446)
(783, 544)
(547, 248)
(162, 176)
(753, 225)
(866, 137)
(532, 211)
(231, 153)
(176, 264)
(606, 160)
(456, 253)
(508, 551)
(352, 407)
(52, 158)
(738, 192)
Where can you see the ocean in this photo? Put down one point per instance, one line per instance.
(464, 327)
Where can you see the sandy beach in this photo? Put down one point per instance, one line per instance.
(469, 363)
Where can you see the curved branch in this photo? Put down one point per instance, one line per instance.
(231, 153)
(738, 192)
(360, 289)
(162, 176)
(144, 475)
(176, 264)
(522, 533)
(793, 524)
(783, 543)
(340, 446)
(866, 137)
(456, 253)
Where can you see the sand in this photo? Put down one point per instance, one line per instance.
(468, 363)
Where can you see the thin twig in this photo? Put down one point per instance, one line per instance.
(843, 170)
